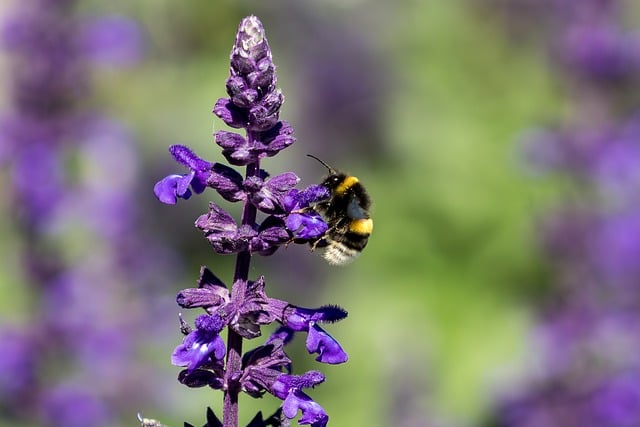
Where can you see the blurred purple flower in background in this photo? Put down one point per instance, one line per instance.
(588, 337)
(343, 79)
(72, 177)
(112, 40)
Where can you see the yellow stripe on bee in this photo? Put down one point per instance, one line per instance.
(363, 226)
(344, 186)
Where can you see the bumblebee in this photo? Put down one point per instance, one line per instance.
(347, 215)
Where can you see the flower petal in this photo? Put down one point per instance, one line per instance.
(227, 182)
(306, 225)
(312, 413)
(168, 189)
(328, 349)
(232, 115)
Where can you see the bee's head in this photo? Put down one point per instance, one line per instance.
(334, 179)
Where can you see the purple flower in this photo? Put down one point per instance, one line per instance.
(589, 329)
(112, 40)
(328, 349)
(617, 167)
(210, 294)
(285, 384)
(18, 355)
(299, 318)
(312, 413)
(288, 388)
(201, 343)
(50, 122)
(599, 51)
(252, 310)
(254, 101)
(226, 237)
(615, 248)
(267, 195)
(227, 182)
(296, 200)
(74, 406)
(318, 340)
(169, 189)
(617, 402)
(305, 223)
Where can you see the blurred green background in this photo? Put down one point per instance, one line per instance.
(429, 98)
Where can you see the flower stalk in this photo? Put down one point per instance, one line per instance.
(234, 340)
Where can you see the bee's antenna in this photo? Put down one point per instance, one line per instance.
(331, 170)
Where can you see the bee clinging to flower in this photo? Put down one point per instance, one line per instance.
(346, 212)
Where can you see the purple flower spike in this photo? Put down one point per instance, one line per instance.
(254, 101)
(274, 214)
(251, 56)
(202, 343)
(113, 40)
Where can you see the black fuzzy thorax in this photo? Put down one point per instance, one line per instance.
(338, 204)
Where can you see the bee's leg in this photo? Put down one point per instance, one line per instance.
(321, 242)
(302, 210)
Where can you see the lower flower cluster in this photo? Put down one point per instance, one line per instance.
(267, 367)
